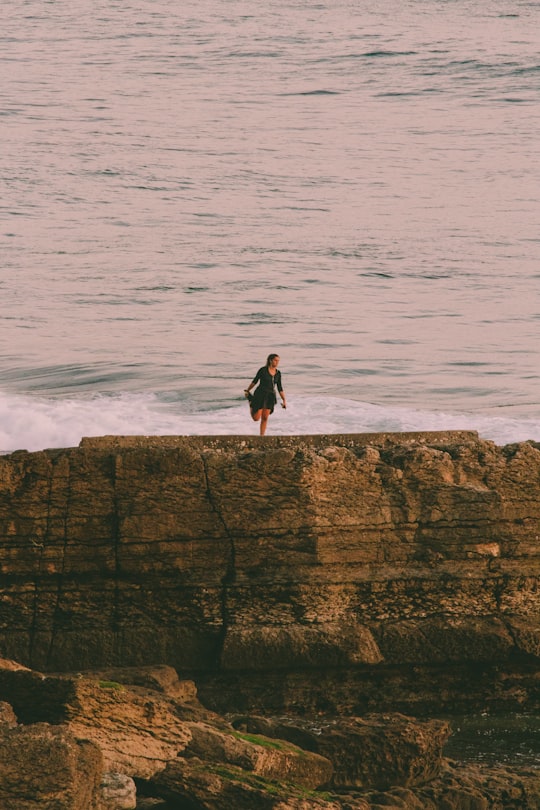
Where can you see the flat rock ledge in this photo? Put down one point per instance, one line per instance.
(139, 739)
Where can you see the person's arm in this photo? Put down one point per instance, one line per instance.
(254, 382)
(281, 391)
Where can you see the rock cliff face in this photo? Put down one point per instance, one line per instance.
(334, 573)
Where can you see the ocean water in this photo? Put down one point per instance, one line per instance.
(187, 187)
(500, 739)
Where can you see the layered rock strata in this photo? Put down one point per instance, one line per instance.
(343, 583)
(330, 573)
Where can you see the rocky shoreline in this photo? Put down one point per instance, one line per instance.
(277, 622)
(139, 739)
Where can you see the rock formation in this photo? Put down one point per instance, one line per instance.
(145, 742)
(328, 576)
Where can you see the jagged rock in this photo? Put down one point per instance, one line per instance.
(35, 697)
(372, 752)
(162, 679)
(44, 767)
(14, 666)
(270, 758)
(462, 787)
(8, 718)
(211, 786)
(117, 792)
(136, 729)
(137, 734)
(526, 635)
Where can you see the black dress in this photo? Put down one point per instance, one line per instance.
(264, 395)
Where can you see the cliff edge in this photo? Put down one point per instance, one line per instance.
(333, 573)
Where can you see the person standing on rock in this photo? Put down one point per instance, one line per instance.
(262, 402)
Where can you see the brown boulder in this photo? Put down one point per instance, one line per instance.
(13, 666)
(374, 752)
(136, 733)
(468, 786)
(8, 718)
(213, 786)
(526, 634)
(159, 678)
(137, 729)
(270, 758)
(45, 767)
(118, 792)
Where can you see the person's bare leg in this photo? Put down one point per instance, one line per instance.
(257, 415)
(264, 420)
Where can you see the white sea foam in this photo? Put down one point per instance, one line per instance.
(36, 423)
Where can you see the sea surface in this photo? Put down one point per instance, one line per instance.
(188, 186)
(500, 739)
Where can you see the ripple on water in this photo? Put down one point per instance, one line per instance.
(509, 739)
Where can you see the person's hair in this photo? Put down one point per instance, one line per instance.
(270, 358)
